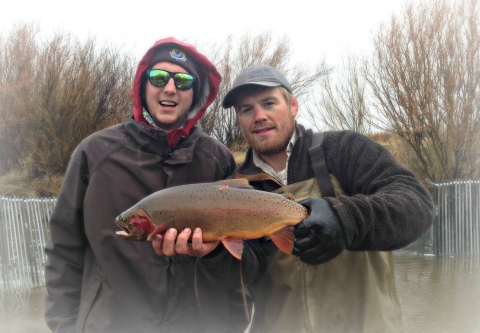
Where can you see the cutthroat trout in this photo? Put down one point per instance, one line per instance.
(228, 211)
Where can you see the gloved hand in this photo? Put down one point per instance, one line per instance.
(318, 238)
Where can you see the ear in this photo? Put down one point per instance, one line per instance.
(294, 106)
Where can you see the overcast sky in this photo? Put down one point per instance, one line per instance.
(315, 28)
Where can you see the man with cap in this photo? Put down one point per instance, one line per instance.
(98, 282)
(362, 204)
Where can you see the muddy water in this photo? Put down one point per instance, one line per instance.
(437, 295)
(22, 311)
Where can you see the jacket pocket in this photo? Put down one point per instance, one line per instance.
(87, 301)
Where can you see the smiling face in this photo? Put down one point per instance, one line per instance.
(267, 120)
(168, 105)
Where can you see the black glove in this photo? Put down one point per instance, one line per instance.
(318, 238)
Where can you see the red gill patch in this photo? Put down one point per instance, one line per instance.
(142, 223)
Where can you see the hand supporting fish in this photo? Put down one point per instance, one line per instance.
(228, 211)
(169, 244)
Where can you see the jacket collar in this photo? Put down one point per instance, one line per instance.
(154, 141)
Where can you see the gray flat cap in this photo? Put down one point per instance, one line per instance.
(257, 75)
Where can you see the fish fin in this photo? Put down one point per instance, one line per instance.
(289, 196)
(283, 239)
(158, 230)
(234, 246)
(240, 183)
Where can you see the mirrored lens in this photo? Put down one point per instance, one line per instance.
(158, 77)
(183, 81)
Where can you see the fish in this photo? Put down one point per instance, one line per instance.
(229, 211)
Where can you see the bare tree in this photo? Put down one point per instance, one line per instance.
(425, 76)
(17, 52)
(84, 90)
(54, 93)
(342, 103)
(233, 57)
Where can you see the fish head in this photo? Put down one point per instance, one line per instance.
(135, 225)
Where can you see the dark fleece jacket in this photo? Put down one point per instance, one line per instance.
(384, 208)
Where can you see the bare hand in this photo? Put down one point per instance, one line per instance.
(169, 244)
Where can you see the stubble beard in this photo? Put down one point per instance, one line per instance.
(265, 148)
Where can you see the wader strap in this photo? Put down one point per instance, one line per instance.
(319, 166)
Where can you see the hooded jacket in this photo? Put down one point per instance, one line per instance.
(97, 282)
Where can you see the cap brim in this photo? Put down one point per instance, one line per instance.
(229, 99)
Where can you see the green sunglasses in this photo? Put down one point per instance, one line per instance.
(160, 77)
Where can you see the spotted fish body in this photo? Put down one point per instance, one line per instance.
(226, 211)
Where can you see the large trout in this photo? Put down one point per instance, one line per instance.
(228, 211)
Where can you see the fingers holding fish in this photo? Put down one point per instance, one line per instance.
(182, 245)
(164, 244)
(195, 248)
(198, 247)
(172, 242)
(157, 243)
(169, 244)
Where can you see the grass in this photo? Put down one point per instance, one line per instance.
(18, 183)
(239, 156)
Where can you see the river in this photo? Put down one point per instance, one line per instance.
(440, 295)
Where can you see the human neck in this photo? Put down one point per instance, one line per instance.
(278, 162)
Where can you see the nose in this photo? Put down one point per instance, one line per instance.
(260, 114)
(170, 86)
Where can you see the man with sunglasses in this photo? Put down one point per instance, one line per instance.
(361, 202)
(98, 282)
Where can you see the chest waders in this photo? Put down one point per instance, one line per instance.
(355, 292)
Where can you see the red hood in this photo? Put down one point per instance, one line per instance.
(206, 97)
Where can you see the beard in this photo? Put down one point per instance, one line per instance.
(268, 146)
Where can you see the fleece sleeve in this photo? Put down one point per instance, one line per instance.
(385, 207)
(65, 250)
